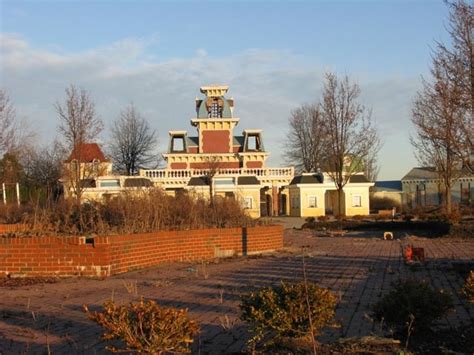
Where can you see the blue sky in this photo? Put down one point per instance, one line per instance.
(272, 54)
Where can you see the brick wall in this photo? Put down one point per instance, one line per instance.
(12, 228)
(105, 256)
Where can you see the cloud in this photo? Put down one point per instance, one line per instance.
(266, 85)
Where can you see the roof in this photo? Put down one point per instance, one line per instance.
(358, 179)
(307, 179)
(192, 141)
(389, 185)
(198, 181)
(247, 180)
(238, 140)
(86, 153)
(421, 173)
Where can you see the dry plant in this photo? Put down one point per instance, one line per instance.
(129, 213)
(221, 296)
(205, 271)
(227, 323)
(468, 288)
(288, 312)
(131, 287)
(146, 327)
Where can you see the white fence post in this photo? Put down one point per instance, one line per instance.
(4, 194)
(18, 193)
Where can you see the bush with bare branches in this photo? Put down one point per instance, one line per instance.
(136, 212)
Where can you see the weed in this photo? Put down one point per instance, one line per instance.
(468, 288)
(131, 287)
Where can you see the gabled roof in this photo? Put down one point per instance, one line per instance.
(247, 180)
(192, 141)
(238, 140)
(307, 179)
(87, 153)
(421, 173)
(358, 179)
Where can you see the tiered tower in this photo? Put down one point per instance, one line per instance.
(215, 140)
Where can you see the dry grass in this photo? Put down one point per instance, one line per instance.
(131, 213)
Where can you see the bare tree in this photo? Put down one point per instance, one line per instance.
(370, 164)
(7, 123)
(212, 166)
(349, 129)
(458, 57)
(78, 125)
(133, 142)
(438, 119)
(79, 122)
(43, 169)
(306, 140)
(457, 61)
(443, 111)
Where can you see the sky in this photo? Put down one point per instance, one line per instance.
(272, 54)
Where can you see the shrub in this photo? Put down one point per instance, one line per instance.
(454, 217)
(137, 212)
(298, 310)
(145, 327)
(408, 217)
(412, 300)
(468, 288)
(323, 218)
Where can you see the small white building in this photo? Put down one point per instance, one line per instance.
(312, 195)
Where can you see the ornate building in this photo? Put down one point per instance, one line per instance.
(217, 161)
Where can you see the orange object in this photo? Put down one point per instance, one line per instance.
(409, 253)
(419, 254)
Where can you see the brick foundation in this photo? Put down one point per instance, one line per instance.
(105, 256)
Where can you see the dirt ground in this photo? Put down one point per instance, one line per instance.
(359, 267)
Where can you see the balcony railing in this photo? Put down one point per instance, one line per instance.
(171, 174)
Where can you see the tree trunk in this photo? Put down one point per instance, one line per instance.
(340, 202)
(211, 192)
(449, 207)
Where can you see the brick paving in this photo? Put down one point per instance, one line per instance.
(360, 268)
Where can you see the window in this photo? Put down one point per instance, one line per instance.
(312, 201)
(109, 183)
(215, 109)
(224, 181)
(248, 203)
(356, 201)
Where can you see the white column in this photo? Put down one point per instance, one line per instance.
(4, 194)
(18, 193)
